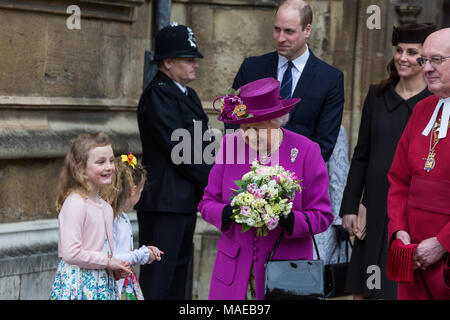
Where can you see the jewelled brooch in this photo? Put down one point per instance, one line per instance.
(294, 154)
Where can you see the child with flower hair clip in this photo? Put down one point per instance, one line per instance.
(123, 194)
(85, 223)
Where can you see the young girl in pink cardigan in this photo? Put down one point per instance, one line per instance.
(85, 245)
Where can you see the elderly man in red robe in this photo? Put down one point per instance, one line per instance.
(419, 179)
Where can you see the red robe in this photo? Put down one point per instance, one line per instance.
(419, 201)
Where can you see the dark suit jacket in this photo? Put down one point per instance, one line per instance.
(318, 115)
(163, 108)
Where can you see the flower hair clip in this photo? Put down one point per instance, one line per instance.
(233, 108)
(130, 158)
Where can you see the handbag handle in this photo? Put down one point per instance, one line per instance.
(310, 231)
(338, 246)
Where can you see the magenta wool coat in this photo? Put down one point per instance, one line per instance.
(237, 250)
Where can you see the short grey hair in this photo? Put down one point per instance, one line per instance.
(280, 121)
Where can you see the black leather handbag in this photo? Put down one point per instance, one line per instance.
(335, 274)
(294, 279)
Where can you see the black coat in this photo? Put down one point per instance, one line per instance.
(163, 108)
(318, 115)
(383, 120)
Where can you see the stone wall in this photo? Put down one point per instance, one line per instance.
(42, 57)
(56, 83)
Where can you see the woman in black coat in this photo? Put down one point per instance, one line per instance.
(386, 111)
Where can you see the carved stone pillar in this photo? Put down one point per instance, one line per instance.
(407, 13)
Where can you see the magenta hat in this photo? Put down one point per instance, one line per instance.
(254, 102)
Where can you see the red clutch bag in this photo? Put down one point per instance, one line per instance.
(400, 264)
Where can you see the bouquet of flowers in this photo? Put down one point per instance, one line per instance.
(265, 193)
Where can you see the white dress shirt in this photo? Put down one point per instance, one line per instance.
(182, 88)
(299, 65)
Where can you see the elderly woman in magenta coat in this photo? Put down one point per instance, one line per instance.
(239, 271)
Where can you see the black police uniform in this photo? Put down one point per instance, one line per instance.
(168, 205)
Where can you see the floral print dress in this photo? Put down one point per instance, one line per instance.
(75, 283)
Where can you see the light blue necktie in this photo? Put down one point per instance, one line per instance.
(286, 83)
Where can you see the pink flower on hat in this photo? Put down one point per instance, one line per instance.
(232, 100)
(260, 102)
(228, 113)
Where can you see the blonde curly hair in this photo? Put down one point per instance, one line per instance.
(72, 177)
(124, 179)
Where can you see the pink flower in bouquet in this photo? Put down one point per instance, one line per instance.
(276, 178)
(293, 176)
(245, 210)
(252, 188)
(263, 212)
(272, 223)
(260, 193)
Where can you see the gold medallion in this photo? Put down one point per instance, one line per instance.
(429, 164)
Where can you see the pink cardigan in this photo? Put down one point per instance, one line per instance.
(82, 225)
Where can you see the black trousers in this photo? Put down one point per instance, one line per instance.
(170, 278)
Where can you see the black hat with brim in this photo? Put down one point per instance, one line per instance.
(175, 41)
(412, 33)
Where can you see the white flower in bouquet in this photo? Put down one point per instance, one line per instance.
(265, 193)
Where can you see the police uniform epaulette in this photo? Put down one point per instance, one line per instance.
(159, 84)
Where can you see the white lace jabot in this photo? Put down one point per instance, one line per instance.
(445, 103)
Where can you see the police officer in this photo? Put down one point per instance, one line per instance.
(168, 205)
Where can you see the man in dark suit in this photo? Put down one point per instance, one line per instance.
(302, 75)
(167, 209)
